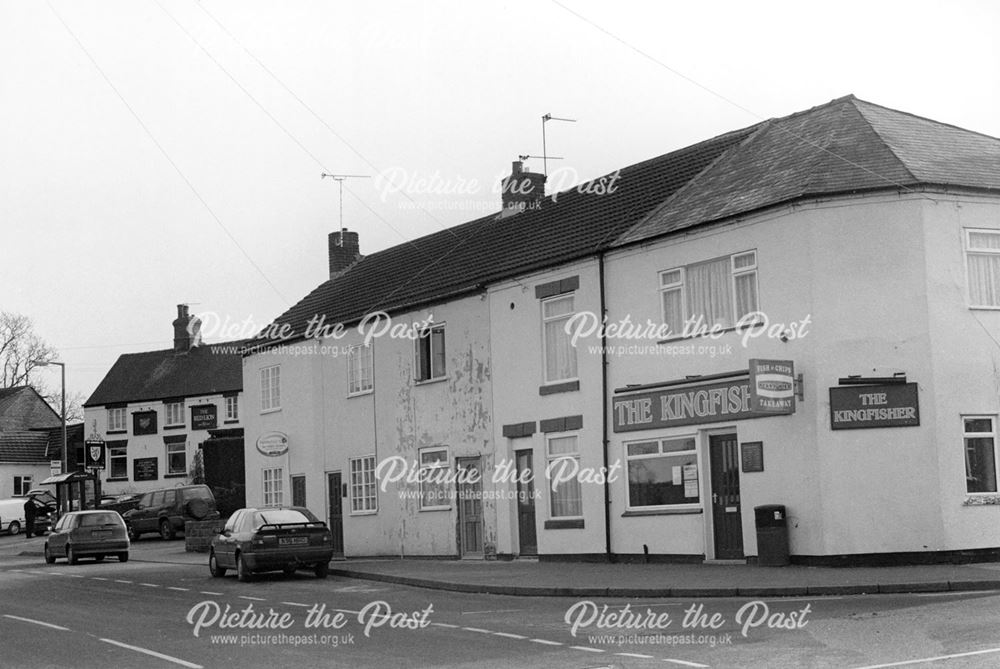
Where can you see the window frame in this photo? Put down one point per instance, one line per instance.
(113, 457)
(571, 296)
(549, 459)
(120, 425)
(173, 414)
(443, 464)
(24, 488)
(361, 480)
(277, 488)
(979, 435)
(969, 251)
(171, 449)
(270, 388)
(661, 454)
(427, 335)
(682, 285)
(356, 372)
(232, 403)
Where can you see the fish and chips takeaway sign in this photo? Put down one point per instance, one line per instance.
(769, 390)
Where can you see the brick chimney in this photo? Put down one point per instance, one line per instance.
(521, 188)
(344, 251)
(187, 330)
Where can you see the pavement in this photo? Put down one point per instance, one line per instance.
(585, 579)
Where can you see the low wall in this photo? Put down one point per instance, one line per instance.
(198, 534)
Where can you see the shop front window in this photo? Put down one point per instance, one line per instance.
(662, 473)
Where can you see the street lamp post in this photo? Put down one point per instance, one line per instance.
(62, 367)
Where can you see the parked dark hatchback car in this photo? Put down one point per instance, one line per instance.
(165, 511)
(87, 534)
(272, 539)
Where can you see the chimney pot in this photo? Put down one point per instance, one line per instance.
(187, 330)
(521, 188)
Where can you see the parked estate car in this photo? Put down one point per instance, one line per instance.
(85, 534)
(271, 539)
(165, 511)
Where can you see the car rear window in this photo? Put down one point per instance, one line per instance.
(281, 516)
(92, 519)
(200, 492)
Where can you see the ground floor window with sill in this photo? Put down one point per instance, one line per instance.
(273, 480)
(117, 462)
(662, 472)
(980, 453)
(566, 496)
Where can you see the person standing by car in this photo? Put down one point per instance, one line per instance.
(29, 516)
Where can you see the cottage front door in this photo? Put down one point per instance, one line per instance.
(723, 454)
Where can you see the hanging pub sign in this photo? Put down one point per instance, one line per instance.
(889, 405)
(93, 454)
(772, 386)
(204, 417)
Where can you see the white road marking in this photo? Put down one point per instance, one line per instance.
(255, 599)
(120, 580)
(510, 635)
(547, 642)
(470, 613)
(476, 629)
(296, 604)
(588, 649)
(174, 587)
(76, 575)
(206, 592)
(153, 653)
(37, 622)
(932, 659)
(449, 626)
(150, 585)
(353, 613)
(100, 578)
(638, 655)
(686, 664)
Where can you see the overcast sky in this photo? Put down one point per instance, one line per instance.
(154, 152)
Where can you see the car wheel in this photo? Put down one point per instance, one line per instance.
(14, 528)
(322, 569)
(166, 530)
(49, 557)
(99, 557)
(242, 571)
(123, 557)
(213, 566)
(132, 534)
(71, 555)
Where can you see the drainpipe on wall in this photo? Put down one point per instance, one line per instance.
(604, 416)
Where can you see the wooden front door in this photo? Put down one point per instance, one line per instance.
(726, 516)
(336, 510)
(527, 538)
(470, 507)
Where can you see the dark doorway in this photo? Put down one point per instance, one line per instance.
(299, 491)
(336, 517)
(470, 507)
(527, 538)
(726, 517)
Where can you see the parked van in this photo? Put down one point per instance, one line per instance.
(12, 516)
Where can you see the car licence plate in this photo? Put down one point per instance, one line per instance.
(100, 533)
(293, 541)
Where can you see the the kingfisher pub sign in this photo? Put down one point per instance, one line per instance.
(767, 390)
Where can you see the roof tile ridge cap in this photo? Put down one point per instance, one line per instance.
(689, 184)
(885, 143)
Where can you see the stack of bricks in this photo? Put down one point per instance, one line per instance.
(198, 534)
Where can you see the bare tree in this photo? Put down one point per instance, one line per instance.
(21, 349)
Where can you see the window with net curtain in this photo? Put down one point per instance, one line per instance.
(980, 454)
(983, 262)
(720, 292)
(560, 355)
(566, 499)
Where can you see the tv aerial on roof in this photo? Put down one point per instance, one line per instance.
(340, 178)
(545, 119)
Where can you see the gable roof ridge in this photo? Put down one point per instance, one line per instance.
(888, 146)
(693, 181)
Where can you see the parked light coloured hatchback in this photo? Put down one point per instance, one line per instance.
(88, 534)
(272, 539)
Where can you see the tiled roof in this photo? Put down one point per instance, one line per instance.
(53, 446)
(157, 375)
(465, 258)
(847, 145)
(23, 447)
(22, 408)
